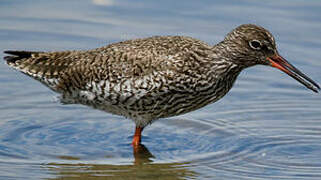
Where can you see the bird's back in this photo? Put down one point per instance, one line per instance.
(132, 58)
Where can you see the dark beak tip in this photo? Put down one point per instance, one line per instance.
(318, 89)
(315, 88)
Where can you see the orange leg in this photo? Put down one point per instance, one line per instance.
(137, 136)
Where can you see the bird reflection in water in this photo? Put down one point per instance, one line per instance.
(142, 168)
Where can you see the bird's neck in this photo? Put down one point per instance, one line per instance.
(223, 61)
(218, 75)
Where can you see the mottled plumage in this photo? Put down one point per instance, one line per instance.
(151, 78)
(142, 79)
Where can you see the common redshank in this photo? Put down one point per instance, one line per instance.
(156, 77)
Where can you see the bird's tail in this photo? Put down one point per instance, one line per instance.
(28, 62)
(35, 64)
(17, 55)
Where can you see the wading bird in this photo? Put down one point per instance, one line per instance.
(156, 77)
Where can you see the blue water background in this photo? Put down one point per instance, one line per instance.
(267, 127)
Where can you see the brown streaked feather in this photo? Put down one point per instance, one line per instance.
(39, 64)
(132, 59)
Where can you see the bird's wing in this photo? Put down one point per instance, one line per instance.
(134, 59)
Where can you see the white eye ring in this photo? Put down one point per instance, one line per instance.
(255, 44)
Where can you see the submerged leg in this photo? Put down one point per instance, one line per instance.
(137, 136)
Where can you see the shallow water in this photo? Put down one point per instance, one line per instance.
(267, 127)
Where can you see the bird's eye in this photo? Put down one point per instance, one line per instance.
(255, 44)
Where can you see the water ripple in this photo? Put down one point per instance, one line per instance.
(250, 138)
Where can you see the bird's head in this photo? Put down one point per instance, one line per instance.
(250, 45)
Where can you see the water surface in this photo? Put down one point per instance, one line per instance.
(267, 127)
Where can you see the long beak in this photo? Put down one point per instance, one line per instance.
(279, 62)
